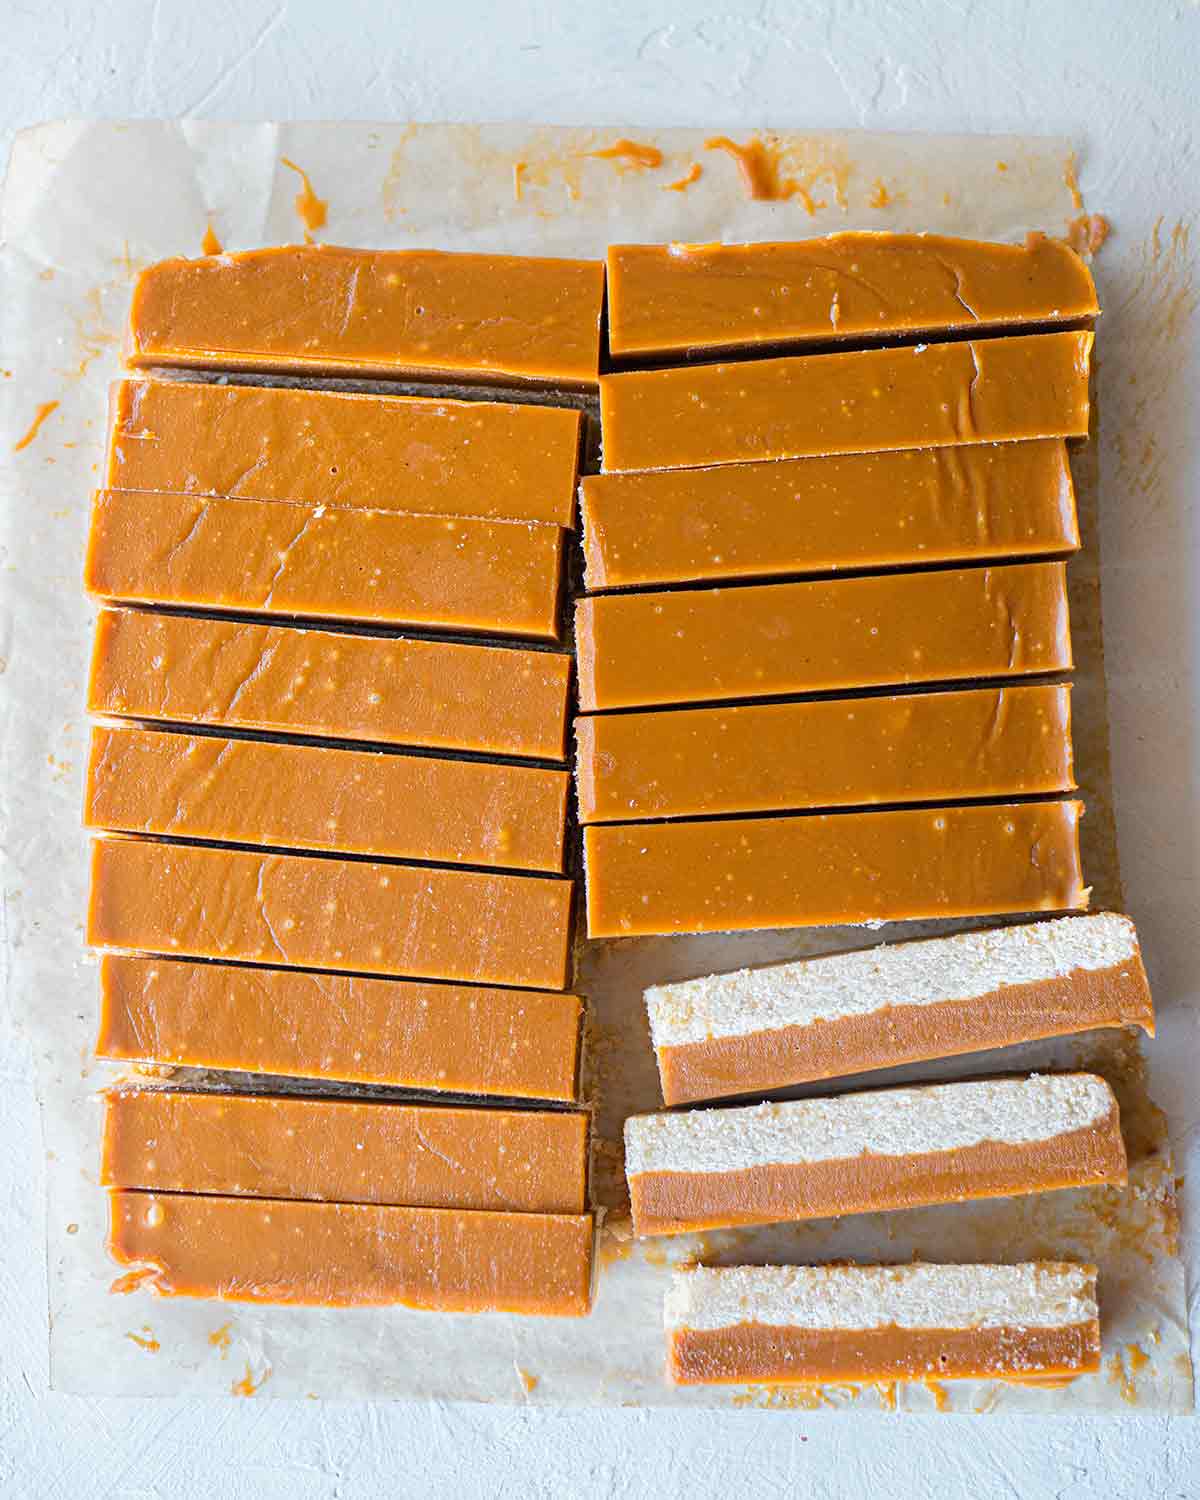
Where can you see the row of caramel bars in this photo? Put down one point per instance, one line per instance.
(328, 850)
(772, 534)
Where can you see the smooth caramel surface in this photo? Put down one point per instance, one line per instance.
(353, 1254)
(378, 567)
(919, 747)
(462, 1039)
(818, 870)
(673, 298)
(924, 396)
(318, 797)
(345, 1151)
(816, 515)
(313, 309)
(424, 454)
(320, 913)
(702, 645)
(431, 694)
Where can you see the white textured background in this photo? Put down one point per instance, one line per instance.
(1120, 75)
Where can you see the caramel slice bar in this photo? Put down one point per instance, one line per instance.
(440, 695)
(671, 299)
(434, 456)
(863, 511)
(921, 747)
(829, 635)
(862, 1153)
(798, 1325)
(320, 913)
(824, 869)
(345, 1151)
(319, 309)
(464, 1039)
(318, 797)
(925, 396)
(846, 1013)
(352, 1254)
(378, 567)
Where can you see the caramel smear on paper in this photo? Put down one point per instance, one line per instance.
(1086, 233)
(43, 411)
(693, 174)
(761, 163)
(131, 1280)
(627, 154)
(519, 170)
(247, 1386)
(210, 244)
(313, 211)
(529, 1383)
(220, 1338)
(145, 1340)
(880, 197)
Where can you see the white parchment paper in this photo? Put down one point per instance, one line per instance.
(85, 207)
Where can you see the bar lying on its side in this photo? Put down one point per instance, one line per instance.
(335, 448)
(825, 869)
(841, 752)
(845, 1013)
(441, 695)
(927, 396)
(322, 309)
(319, 797)
(352, 1254)
(349, 915)
(267, 557)
(801, 1325)
(672, 299)
(827, 635)
(865, 1153)
(345, 1151)
(464, 1039)
(864, 511)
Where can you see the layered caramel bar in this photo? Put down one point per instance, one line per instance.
(240, 791)
(441, 695)
(863, 1153)
(838, 752)
(321, 913)
(345, 1151)
(269, 557)
(845, 1013)
(797, 1325)
(463, 1039)
(352, 1254)
(827, 635)
(863, 511)
(923, 396)
(822, 869)
(672, 299)
(320, 309)
(433, 456)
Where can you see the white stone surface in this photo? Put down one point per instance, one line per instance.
(1120, 78)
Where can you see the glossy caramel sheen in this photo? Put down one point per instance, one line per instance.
(825, 869)
(316, 797)
(924, 396)
(430, 455)
(672, 298)
(320, 309)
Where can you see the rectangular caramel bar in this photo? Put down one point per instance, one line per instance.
(345, 1151)
(822, 869)
(863, 511)
(335, 448)
(838, 752)
(863, 1153)
(440, 695)
(320, 913)
(464, 1039)
(352, 1254)
(320, 309)
(828, 635)
(923, 396)
(318, 797)
(845, 1013)
(378, 567)
(801, 1325)
(672, 299)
